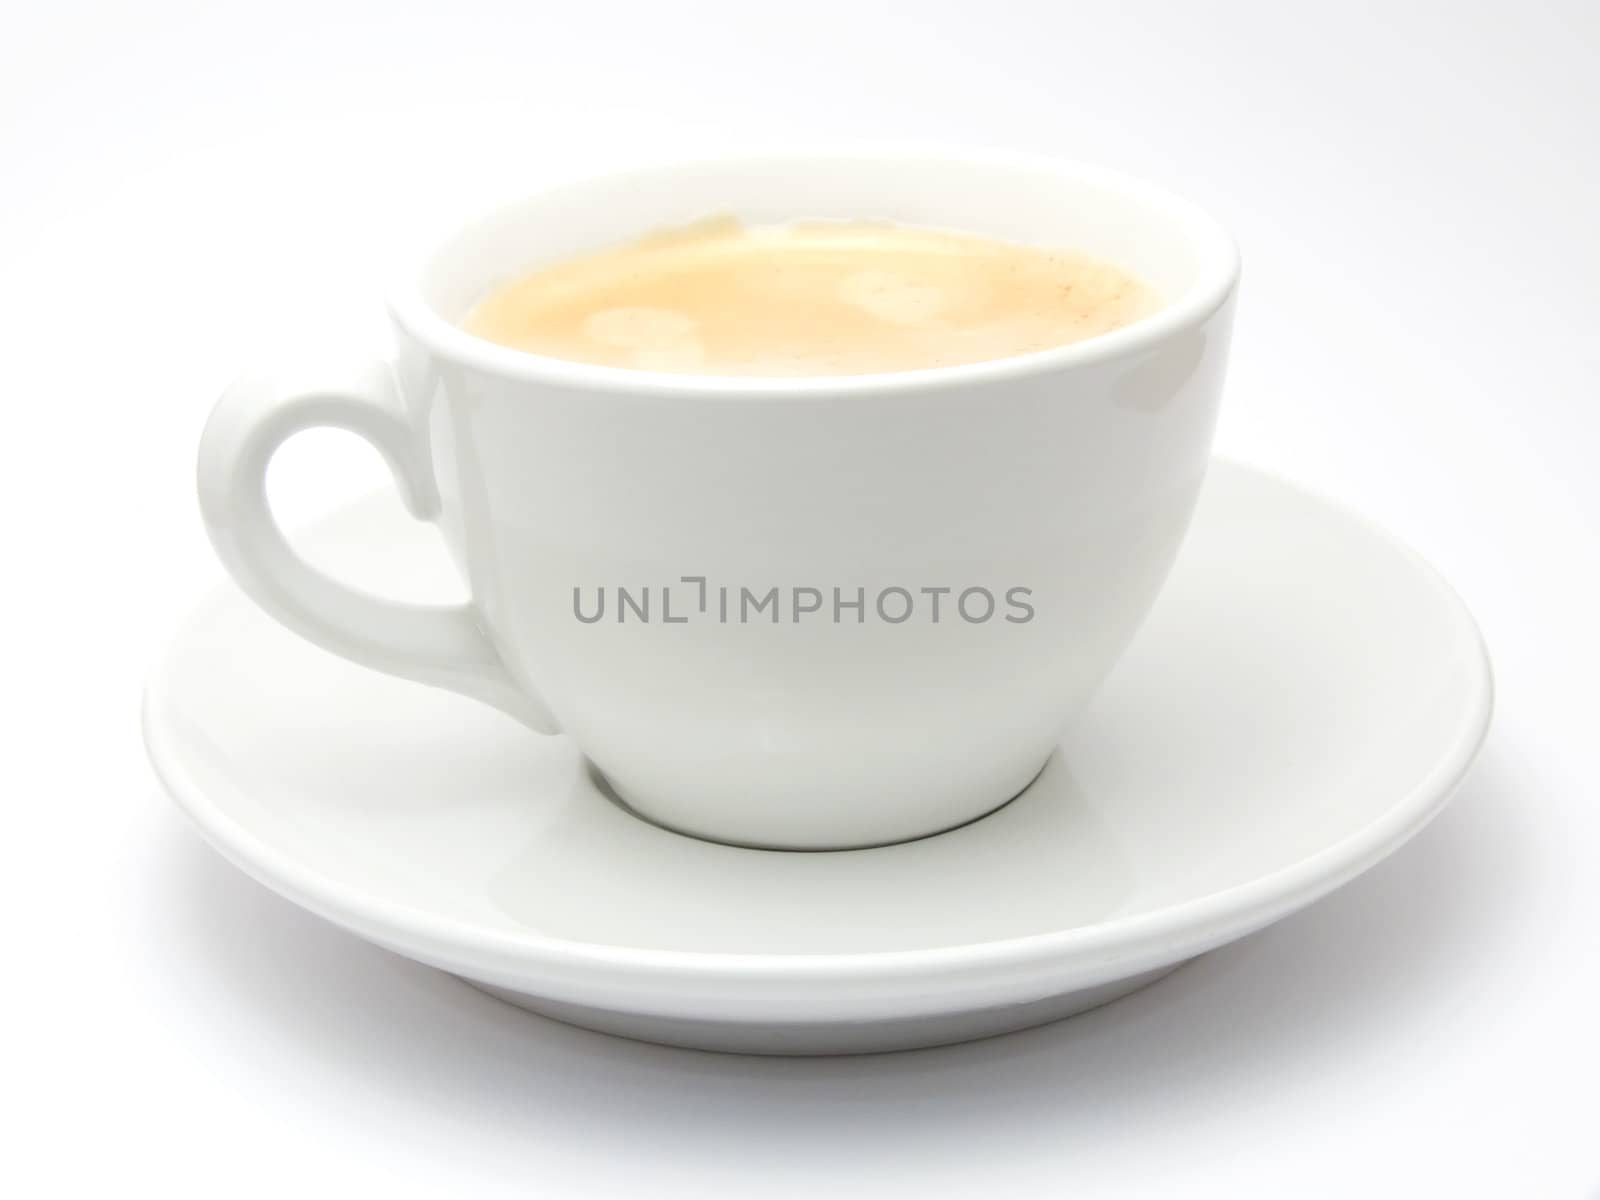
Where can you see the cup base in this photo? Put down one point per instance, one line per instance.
(617, 796)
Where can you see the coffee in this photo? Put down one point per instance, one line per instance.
(808, 299)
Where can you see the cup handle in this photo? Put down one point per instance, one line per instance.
(442, 645)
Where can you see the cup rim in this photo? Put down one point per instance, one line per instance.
(1218, 274)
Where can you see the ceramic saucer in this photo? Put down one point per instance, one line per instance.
(1305, 696)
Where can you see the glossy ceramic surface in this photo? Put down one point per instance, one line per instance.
(1304, 697)
(841, 708)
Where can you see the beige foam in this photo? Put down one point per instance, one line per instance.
(813, 298)
(894, 298)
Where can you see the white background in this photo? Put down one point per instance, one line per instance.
(189, 186)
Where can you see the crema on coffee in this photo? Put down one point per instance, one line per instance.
(808, 299)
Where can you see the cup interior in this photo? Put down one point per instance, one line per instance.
(1162, 239)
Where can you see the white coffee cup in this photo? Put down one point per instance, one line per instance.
(1058, 484)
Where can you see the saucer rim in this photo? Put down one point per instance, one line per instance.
(1108, 944)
